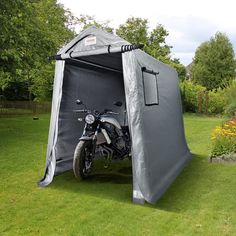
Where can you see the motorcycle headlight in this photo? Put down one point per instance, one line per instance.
(89, 119)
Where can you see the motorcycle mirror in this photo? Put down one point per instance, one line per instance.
(79, 102)
(118, 103)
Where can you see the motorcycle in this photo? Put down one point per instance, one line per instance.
(102, 136)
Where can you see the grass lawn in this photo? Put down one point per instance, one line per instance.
(202, 201)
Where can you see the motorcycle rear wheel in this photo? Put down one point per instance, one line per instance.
(82, 162)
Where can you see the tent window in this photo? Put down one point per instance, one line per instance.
(150, 87)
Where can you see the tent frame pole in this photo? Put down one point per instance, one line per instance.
(96, 65)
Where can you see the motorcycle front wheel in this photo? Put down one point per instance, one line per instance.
(82, 162)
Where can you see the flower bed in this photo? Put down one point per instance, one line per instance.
(224, 142)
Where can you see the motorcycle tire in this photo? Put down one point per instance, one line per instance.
(79, 162)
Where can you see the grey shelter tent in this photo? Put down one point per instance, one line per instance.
(97, 68)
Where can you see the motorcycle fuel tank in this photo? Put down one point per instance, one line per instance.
(111, 120)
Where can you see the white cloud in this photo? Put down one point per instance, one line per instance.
(189, 22)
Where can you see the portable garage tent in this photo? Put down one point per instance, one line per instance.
(97, 68)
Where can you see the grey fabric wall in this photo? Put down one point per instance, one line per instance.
(98, 89)
(52, 136)
(159, 146)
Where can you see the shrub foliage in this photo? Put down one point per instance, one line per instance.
(196, 98)
(224, 139)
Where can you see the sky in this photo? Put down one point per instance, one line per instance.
(189, 22)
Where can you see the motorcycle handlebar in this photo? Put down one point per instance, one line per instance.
(106, 111)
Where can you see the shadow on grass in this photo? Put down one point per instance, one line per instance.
(190, 188)
(116, 184)
(112, 183)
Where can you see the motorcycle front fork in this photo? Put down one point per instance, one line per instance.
(94, 140)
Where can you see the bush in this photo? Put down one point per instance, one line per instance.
(216, 101)
(230, 97)
(224, 139)
(230, 109)
(189, 94)
(196, 98)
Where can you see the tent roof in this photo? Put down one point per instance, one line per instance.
(96, 52)
(103, 38)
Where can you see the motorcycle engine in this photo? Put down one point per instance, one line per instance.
(120, 143)
(116, 136)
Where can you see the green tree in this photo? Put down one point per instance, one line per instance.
(136, 31)
(30, 32)
(180, 68)
(86, 21)
(12, 38)
(214, 63)
(53, 31)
